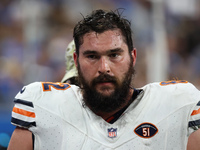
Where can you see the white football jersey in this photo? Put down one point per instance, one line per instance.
(161, 118)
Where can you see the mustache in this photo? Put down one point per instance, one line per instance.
(104, 78)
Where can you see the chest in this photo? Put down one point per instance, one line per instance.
(141, 128)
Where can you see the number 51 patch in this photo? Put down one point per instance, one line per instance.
(146, 130)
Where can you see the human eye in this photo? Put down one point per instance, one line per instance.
(92, 56)
(113, 55)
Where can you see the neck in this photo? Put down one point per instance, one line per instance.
(128, 101)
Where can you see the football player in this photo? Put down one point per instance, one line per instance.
(105, 111)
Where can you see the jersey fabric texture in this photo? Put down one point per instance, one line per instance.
(161, 117)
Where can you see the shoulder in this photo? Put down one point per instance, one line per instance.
(173, 85)
(39, 97)
(38, 90)
(179, 89)
(28, 92)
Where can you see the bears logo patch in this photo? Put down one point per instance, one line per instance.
(146, 130)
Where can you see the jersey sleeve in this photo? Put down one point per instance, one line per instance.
(190, 95)
(194, 119)
(23, 113)
(194, 116)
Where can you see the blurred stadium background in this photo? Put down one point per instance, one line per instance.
(35, 33)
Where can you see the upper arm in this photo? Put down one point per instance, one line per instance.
(21, 140)
(194, 141)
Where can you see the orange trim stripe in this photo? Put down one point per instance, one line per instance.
(195, 112)
(24, 112)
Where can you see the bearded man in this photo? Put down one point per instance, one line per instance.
(105, 111)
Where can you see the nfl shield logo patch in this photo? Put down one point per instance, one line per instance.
(112, 132)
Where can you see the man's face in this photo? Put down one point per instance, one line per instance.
(105, 68)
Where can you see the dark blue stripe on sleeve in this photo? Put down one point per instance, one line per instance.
(194, 123)
(198, 104)
(23, 102)
(23, 123)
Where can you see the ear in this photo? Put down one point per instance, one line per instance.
(75, 59)
(134, 55)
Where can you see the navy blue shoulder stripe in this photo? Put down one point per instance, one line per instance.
(198, 104)
(23, 102)
(23, 123)
(194, 123)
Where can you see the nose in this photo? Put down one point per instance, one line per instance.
(103, 65)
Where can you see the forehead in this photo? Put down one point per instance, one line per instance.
(107, 40)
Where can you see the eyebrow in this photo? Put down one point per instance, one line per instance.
(87, 52)
(116, 50)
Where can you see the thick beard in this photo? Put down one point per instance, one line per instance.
(98, 102)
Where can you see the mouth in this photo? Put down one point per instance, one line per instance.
(104, 82)
(105, 85)
(105, 88)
